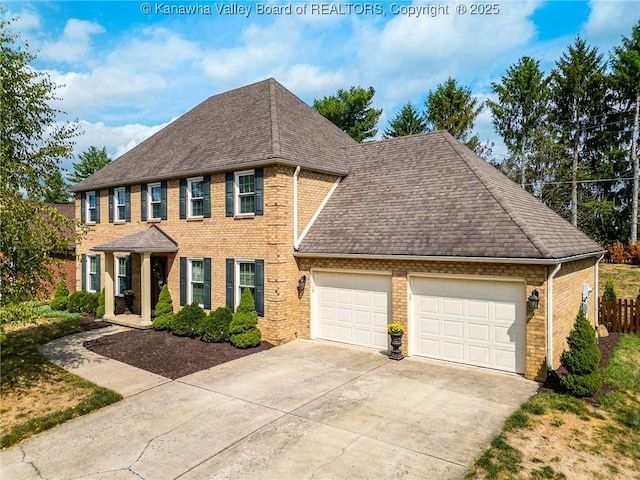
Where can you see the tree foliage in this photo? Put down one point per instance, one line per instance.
(32, 143)
(56, 189)
(89, 162)
(351, 111)
(408, 121)
(453, 108)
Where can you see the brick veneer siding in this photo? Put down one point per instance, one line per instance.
(312, 190)
(65, 270)
(567, 299)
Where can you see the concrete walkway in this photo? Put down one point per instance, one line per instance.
(299, 411)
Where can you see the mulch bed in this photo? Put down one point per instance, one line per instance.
(166, 354)
(607, 345)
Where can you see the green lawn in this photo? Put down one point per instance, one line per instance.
(626, 278)
(36, 394)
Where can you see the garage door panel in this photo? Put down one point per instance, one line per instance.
(356, 304)
(479, 322)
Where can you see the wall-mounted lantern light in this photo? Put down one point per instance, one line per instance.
(301, 283)
(533, 300)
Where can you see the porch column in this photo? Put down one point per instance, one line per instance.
(109, 300)
(145, 288)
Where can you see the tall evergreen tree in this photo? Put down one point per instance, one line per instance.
(625, 63)
(32, 143)
(452, 107)
(90, 161)
(578, 113)
(56, 189)
(351, 111)
(408, 121)
(520, 111)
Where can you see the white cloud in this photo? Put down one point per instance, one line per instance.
(75, 43)
(24, 21)
(609, 20)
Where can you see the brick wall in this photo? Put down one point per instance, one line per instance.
(65, 270)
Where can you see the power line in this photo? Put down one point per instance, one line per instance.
(584, 181)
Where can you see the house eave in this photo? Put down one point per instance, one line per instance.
(134, 249)
(451, 258)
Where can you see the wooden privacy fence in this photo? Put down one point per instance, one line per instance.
(621, 316)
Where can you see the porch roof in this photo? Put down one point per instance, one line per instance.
(153, 239)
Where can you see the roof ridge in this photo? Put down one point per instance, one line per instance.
(502, 200)
(275, 125)
(165, 234)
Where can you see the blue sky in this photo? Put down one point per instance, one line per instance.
(127, 73)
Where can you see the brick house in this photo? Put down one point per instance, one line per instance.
(253, 188)
(65, 268)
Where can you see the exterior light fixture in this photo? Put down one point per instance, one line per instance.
(533, 300)
(301, 283)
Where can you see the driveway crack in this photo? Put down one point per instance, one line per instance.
(27, 462)
(344, 449)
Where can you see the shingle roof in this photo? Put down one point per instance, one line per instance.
(153, 239)
(429, 195)
(262, 122)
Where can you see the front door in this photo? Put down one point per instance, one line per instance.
(158, 278)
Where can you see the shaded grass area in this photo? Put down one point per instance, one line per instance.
(626, 277)
(610, 433)
(36, 394)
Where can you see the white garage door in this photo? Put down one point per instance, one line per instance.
(352, 308)
(477, 322)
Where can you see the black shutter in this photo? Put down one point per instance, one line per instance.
(183, 198)
(206, 195)
(228, 194)
(259, 300)
(143, 202)
(183, 280)
(98, 273)
(111, 205)
(127, 204)
(207, 283)
(128, 272)
(163, 198)
(83, 206)
(83, 262)
(97, 206)
(229, 284)
(259, 192)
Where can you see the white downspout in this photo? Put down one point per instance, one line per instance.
(595, 289)
(550, 317)
(296, 243)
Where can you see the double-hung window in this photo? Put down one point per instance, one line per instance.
(195, 189)
(120, 204)
(93, 279)
(122, 275)
(155, 201)
(196, 281)
(245, 192)
(92, 214)
(245, 278)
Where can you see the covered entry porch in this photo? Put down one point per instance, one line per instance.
(152, 241)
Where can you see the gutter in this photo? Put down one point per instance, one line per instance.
(550, 317)
(595, 287)
(296, 243)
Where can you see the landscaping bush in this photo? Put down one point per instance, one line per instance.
(215, 327)
(188, 320)
(581, 360)
(243, 330)
(83, 302)
(100, 309)
(610, 290)
(59, 303)
(165, 304)
(164, 322)
(61, 290)
(617, 253)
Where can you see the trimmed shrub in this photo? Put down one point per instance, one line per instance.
(617, 253)
(165, 304)
(215, 327)
(59, 303)
(164, 322)
(581, 360)
(187, 321)
(83, 302)
(243, 329)
(61, 291)
(610, 289)
(100, 309)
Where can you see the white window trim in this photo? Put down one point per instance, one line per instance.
(190, 280)
(150, 202)
(236, 279)
(89, 273)
(189, 196)
(116, 287)
(116, 211)
(88, 206)
(236, 192)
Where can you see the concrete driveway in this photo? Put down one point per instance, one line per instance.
(302, 410)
